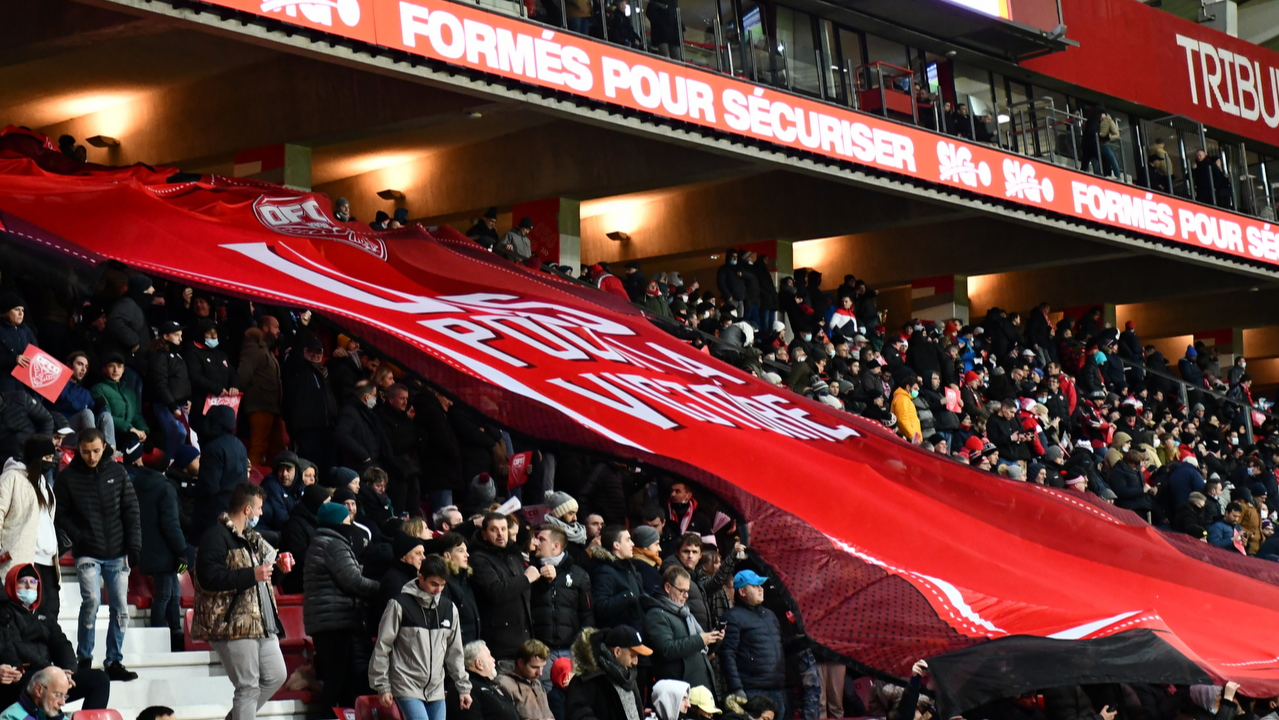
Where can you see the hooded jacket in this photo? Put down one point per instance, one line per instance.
(98, 509)
(224, 463)
(668, 696)
(279, 500)
(167, 379)
(561, 608)
(295, 536)
(31, 637)
(20, 515)
(752, 650)
(419, 641)
(127, 326)
(595, 692)
(259, 375)
(503, 594)
(163, 544)
(615, 590)
(227, 603)
(210, 372)
(332, 586)
(907, 418)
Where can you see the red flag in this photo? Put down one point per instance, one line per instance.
(520, 463)
(231, 401)
(44, 373)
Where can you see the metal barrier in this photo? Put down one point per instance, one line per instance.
(1184, 389)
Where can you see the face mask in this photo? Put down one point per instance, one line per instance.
(1243, 365)
(252, 523)
(1252, 471)
(914, 393)
(807, 336)
(211, 343)
(1127, 448)
(370, 400)
(1100, 357)
(1041, 400)
(46, 466)
(732, 261)
(28, 597)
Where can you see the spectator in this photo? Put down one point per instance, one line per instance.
(28, 510)
(561, 606)
(381, 221)
(731, 284)
(440, 452)
(1127, 483)
(15, 336)
(522, 681)
(754, 662)
(98, 511)
(701, 698)
(408, 552)
(689, 555)
(235, 605)
(283, 488)
(333, 595)
(42, 698)
(259, 373)
(606, 281)
(403, 465)
(1226, 532)
(210, 371)
(681, 646)
(1183, 479)
(127, 332)
(904, 408)
(156, 712)
(453, 549)
(34, 643)
(647, 558)
(419, 641)
(362, 441)
(164, 547)
(169, 387)
(120, 400)
(484, 231)
(557, 697)
(310, 408)
(224, 464)
(503, 583)
(670, 699)
(514, 245)
(563, 515)
(348, 366)
(684, 515)
(76, 403)
(295, 536)
(604, 686)
(615, 586)
(342, 211)
(488, 700)
(1189, 518)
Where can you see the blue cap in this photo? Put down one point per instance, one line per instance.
(1190, 351)
(747, 577)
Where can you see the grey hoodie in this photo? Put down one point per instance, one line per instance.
(668, 697)
(409, 661)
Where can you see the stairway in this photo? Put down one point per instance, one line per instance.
(194, 684)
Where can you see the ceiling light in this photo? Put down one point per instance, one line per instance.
(475, 115)
(390, 194)
(618, 235)
(102, 141)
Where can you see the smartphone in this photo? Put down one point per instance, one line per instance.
(744, 534)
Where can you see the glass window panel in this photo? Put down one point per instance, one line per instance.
(832, 66)
(795, 46)
(698, 19)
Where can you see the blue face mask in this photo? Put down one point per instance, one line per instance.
(252, 523)
(211, 343)
(28, 597)
(1100, 357)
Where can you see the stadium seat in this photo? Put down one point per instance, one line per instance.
(258, 474)
(864, 686)
(287, 599)
(97, 715)
(188, 642)
(188, 590)
(295, 637)
(141, 590)
(370, 707)
(66, 560)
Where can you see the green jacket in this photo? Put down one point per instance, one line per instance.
(25, 709)
(123, 405)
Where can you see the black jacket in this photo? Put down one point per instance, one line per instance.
(562, 608)
(21, 416)
(488, 702)
(224, 463)
(362, 442)
(168, 383)
(459, 591)
(1191, 520)
(441, 456)
(127, 328)
(295, 538)
(333, 588)
(392, 582)
(615, 591)
(33, 638)
(309, 402)
(1129, 488)
(209, 371)
(98, 509)
(752, 650)
(403, 441)
(677, 654)
(163, 544)
(503, 594)
(476, 441)
(593, 694)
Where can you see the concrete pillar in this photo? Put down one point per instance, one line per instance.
(1228, 342)
(284, 164)
(557, 229)
(940, 298)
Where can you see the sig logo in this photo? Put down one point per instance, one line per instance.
(302, 217)
(319, 12)
(1020, 182)
(957, 165)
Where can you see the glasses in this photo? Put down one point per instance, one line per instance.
(60, 696)
(683, 592)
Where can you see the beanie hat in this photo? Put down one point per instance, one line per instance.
(343, 494)
(139, 283)
(971, 376)
(402, 544)
(974, 444)
(184, 456)
(332, 514)
(9, 301)
(483, 491)
(314, 497)
(1053, 454)
(644, 536)
(131, 447)
(560, 503)
(340, 477)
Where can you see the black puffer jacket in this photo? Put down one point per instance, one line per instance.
(362, 441)
(333, 588)
(163, 544)
(441, 455)
(209, 371)
(403, 440)
(295, 538)
(127, 327)
(615, 591)
(752, 649)
(563, 607)
(224, 463)
(459, 591)
(32, 637)
(98, 509)
(20, 416)
(503, 594)
(598, 678)
(167, 381)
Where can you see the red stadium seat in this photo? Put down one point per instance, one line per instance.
(141, 590)
(369, 707)
(97, 715)
(190, 643)
(864, 686)
(66, 560)
(188, 590)
(287, 599)
(295, 638)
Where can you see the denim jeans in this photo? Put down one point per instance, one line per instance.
(92, 573)
(175, 434)
(580, 25)
(166, 604)
(418, 709)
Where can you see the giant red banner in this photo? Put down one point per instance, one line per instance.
(892, 553)
(1132, 51)
(467, 36)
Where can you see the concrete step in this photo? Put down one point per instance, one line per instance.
(137, 640)
(175, 666)
(277, 709)
(69, 595)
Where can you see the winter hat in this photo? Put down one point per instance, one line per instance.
(1014, 472)
(139, 284)
(332, 514)
(971, 376)
(285, 458)
(1053, 454)
(483, 491)
(1190, 351)
(340, 477)
(560, 503)
(491, 213)
(644, 536)
(184, 456)
(343, 494)
(402, 544)
(1259, 489)
(561, 671)
(131, 446)
(314, 498)
(974, 444)
(526, 223)
(9, 301)
(1076, 479)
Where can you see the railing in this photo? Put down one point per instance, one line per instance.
(1184, 389)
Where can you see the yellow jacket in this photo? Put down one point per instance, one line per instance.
(907, 418)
